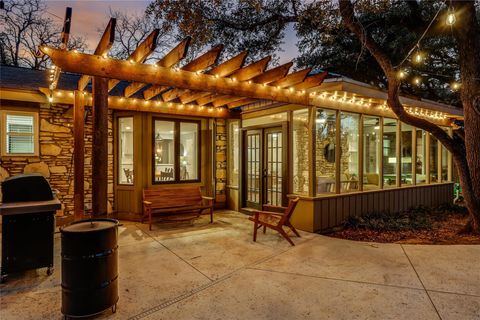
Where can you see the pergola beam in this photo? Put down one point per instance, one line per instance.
(103, 47)
(140, 54)
(123, 70)
(204, 61)
(168, 61)
(224, 69)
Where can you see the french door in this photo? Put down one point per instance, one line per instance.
(265, 167)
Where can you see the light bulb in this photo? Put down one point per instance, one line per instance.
(402, 74)
(417, 81)
(451, 18)
(418, 58)
(455, 86)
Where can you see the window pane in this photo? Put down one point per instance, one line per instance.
(371, 153)
(406, 154)
(421, 162)
(19, 134)
(233, 148)
(433, 159)
(125, 150)
(389, 152)
(164, 150)
(444, 164)
(188, 151)
(349, 160)
(300, 151)
(19, 123)
(325, 153)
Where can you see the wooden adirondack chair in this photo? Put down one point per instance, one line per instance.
(274, 220)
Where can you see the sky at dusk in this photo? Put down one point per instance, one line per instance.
(90, 15)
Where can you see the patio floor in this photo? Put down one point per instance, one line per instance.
(215, 271)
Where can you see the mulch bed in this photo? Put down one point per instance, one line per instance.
(442, 228)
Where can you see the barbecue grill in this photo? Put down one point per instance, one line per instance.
(28, 209)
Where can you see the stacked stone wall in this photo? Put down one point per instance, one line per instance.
(55, 160)
(221, 161)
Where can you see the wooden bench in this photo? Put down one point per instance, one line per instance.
(175, 201)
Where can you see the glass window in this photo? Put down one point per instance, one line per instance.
(371, 153)
(433, 159)
(188, 151)
(421, 162)
(125, 150)
(444, 164)
(233, 153)
(20, 133)
(176, 151)
(164, 151)
(406, 151)
(389, 152)
(301, 160)
(325, 124)
(349, 157)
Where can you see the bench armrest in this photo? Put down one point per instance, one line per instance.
(147, 203)
(208, 200)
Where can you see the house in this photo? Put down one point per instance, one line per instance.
(244, 134)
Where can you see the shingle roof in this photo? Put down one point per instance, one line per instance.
(30, 79)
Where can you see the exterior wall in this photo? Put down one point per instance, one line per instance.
(324, 213)
(56, 151)
(220, 163)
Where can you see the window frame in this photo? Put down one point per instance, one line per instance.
(176, 141)
(3, 133)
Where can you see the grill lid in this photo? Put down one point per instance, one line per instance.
(26, 187)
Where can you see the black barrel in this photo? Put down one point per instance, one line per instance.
(89, 267)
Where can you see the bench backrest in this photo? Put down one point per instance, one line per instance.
(173, 197)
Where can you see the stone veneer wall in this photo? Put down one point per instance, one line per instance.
(56, 150)
(221, 161)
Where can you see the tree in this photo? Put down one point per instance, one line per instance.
(131, 30)
(377, 35)
(24, 27)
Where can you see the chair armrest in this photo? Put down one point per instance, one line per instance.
(207, 198)
(268, 213)
(147, 203)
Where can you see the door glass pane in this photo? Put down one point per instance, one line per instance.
(389, 152)
(164, 150)
(349, 157)
(433, 159)
(371, 153)
(125, 150)
(325, 154)
(188, 151)
(421, 162)
(273, 153)
(406, 154)
(253, 168)
(301, 160)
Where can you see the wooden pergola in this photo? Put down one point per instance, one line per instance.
(202, 87)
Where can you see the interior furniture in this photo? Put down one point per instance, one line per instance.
(268, 218)
(175, 201)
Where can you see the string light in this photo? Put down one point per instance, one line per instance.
(418, 58)
(402, 74)
(451, 18)
(417, 81)
(455, 86)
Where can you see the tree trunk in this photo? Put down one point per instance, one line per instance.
(466, 155)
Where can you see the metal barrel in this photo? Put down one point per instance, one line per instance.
(89, 267)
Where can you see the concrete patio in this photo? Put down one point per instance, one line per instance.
(215, 271)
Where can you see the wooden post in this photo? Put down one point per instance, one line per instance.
(100, 146)
(78, 155)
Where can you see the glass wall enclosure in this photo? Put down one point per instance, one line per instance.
(389, 152)
(125, 150)
(406, 154)
(372, 155)
(349, 160)
(301, 160)
(325, 127)
(421, 155)
(356, 152)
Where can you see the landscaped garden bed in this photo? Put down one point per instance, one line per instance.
(441, 225)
